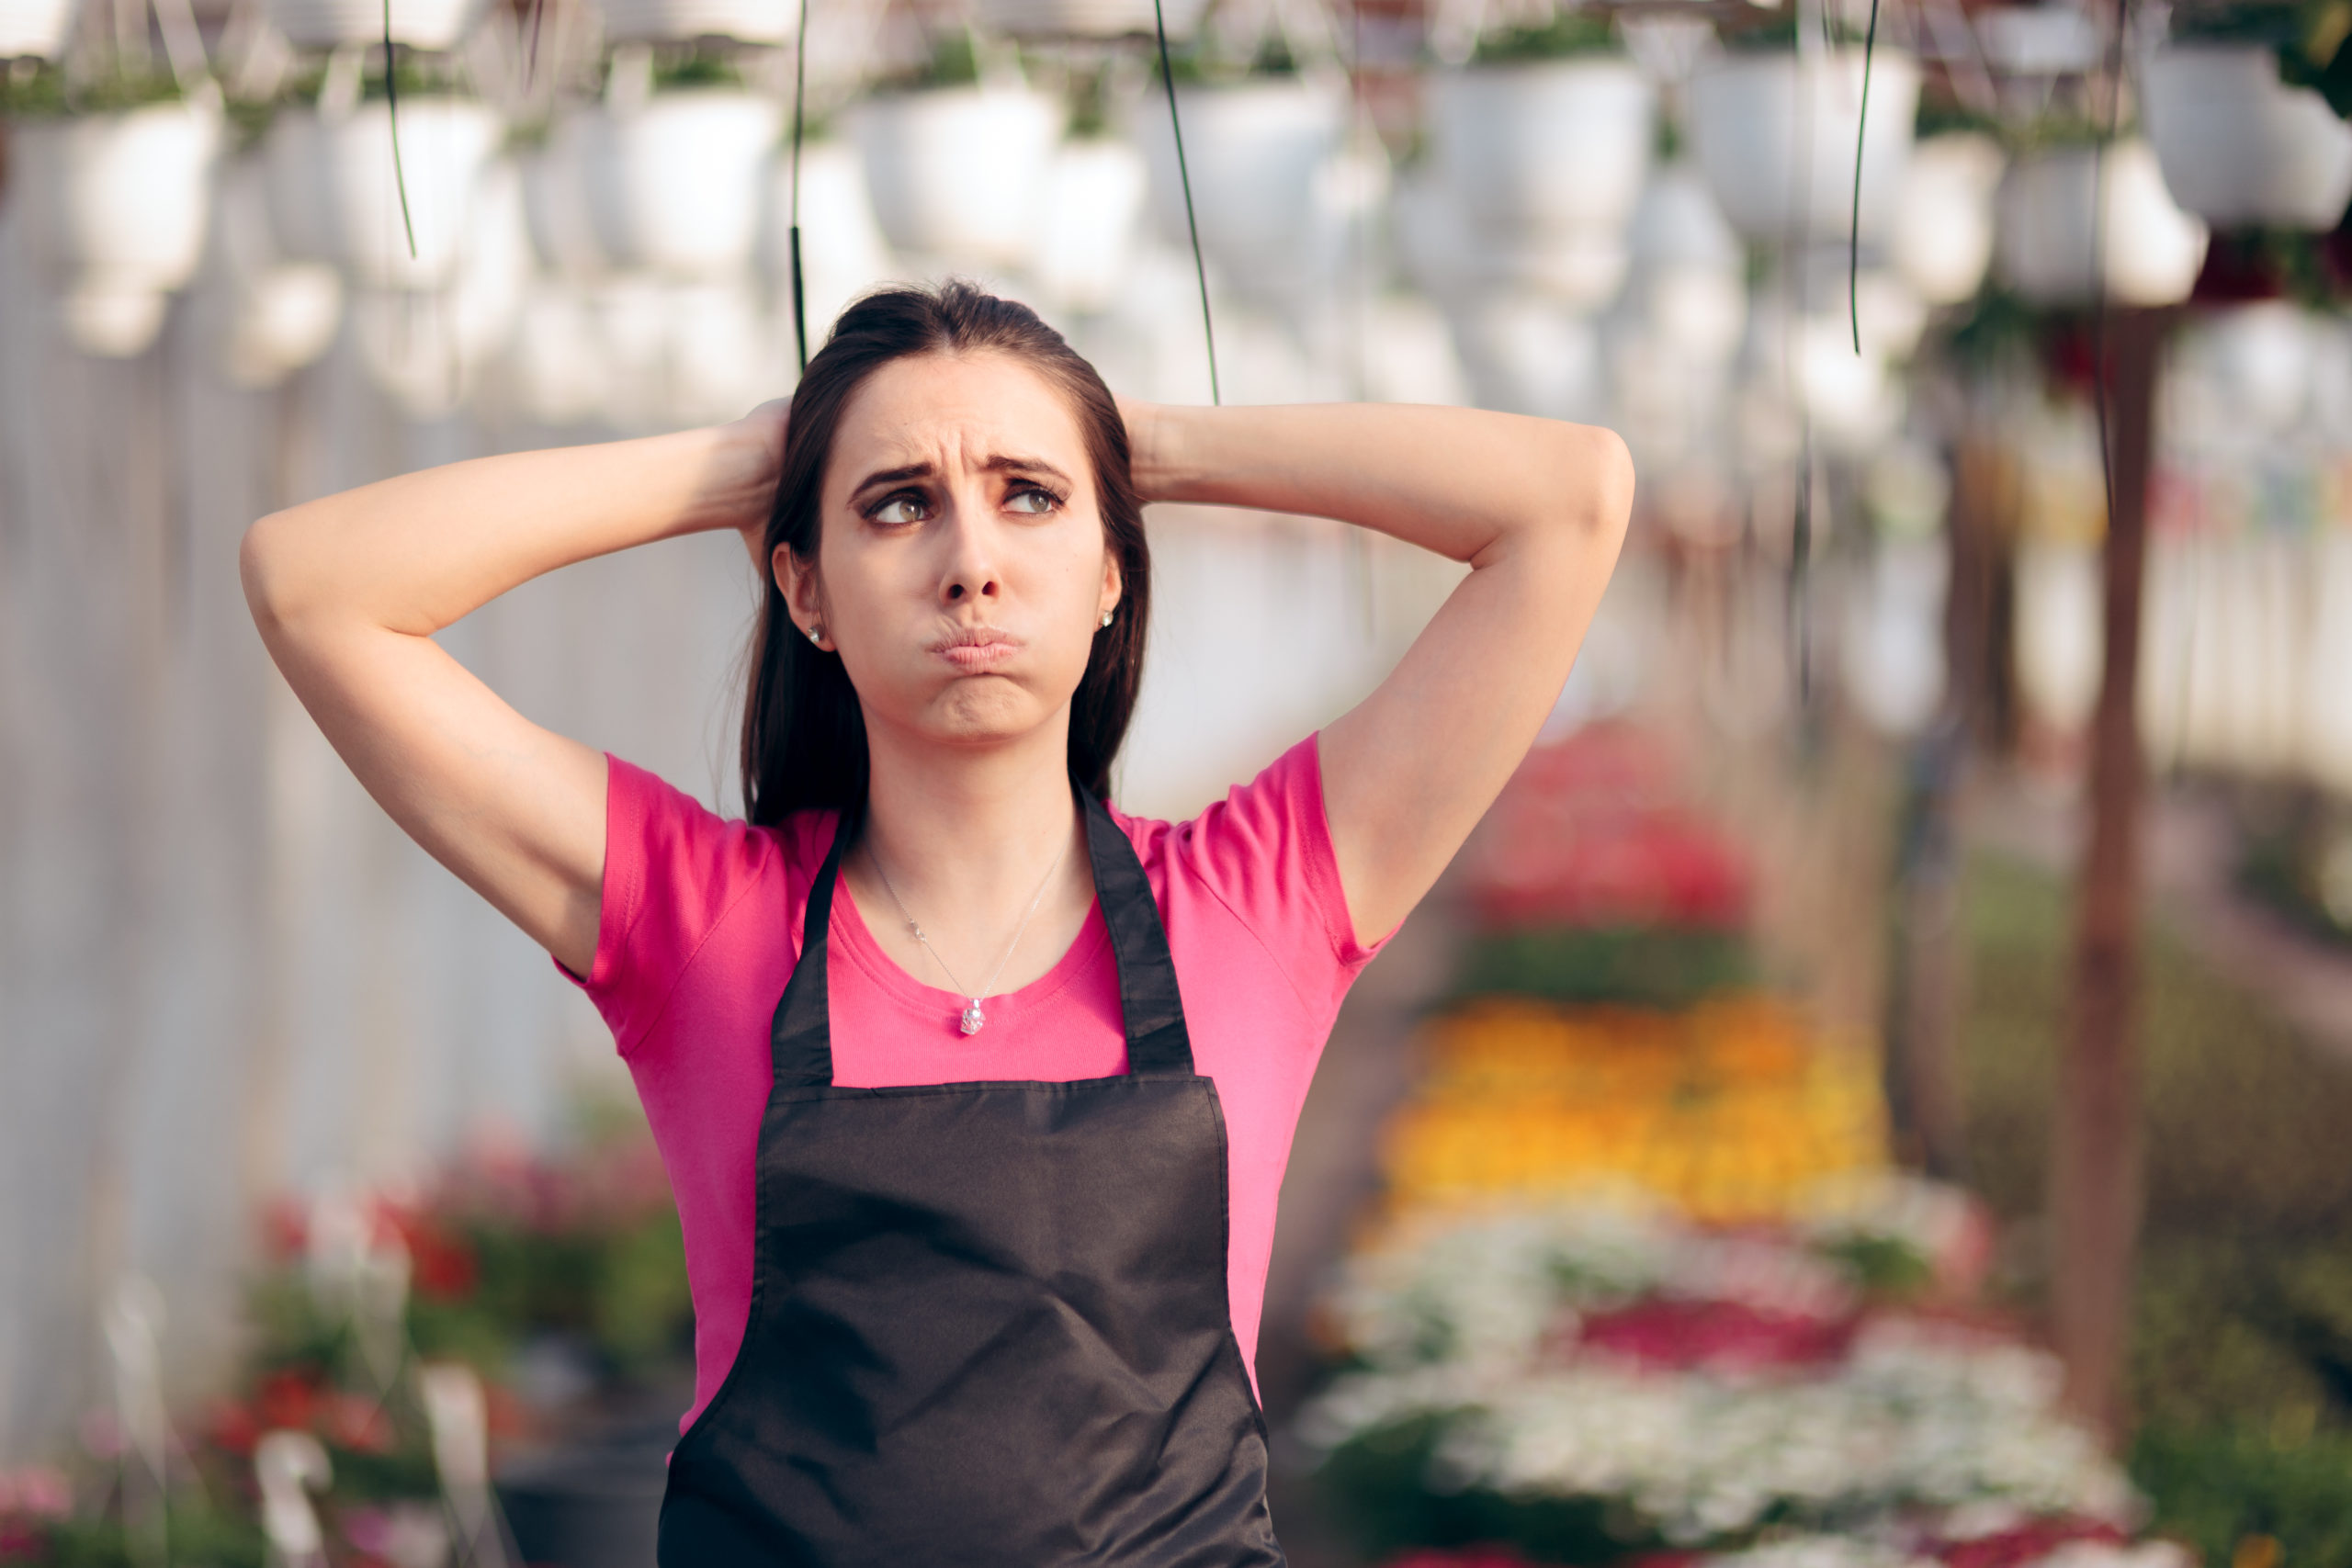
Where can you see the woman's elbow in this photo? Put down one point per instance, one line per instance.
(1600, 487)
(265, 567)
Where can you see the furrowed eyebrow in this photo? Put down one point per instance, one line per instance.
(1001, 465)
(892, 477)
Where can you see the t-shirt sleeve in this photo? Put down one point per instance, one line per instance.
(1265, 850)
(672, 870)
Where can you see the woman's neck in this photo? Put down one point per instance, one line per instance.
(967, 841)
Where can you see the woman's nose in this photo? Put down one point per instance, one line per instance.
(971, 570)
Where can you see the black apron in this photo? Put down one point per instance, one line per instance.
(988, 1321)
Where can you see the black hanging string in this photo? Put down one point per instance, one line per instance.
(799, 92)
(1854, 232)
(392, 113)
(531, 46)
(1184, 178)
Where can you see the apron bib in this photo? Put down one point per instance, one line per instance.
(990, 1322)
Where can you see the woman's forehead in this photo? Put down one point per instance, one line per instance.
(964, 409)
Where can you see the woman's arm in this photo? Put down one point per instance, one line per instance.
(349, 590)
(1536, 507)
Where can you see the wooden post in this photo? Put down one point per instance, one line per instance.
(2094, 1186)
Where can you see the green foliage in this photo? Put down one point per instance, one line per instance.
(696, 67)
(197, 1532)
(2241, 1356)
(1572, 30)
(2215, 1487)
(1377, 1485)
(1640, 966)
(1886, 1268)
(37, 90)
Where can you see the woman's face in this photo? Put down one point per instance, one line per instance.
(961, 573)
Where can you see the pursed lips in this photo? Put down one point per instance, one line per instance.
(978, 651)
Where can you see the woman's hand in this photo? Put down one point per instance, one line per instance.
(747, 488)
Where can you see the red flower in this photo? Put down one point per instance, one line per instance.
(288, 1399)
(2029, 1543)
(232, 1425)
(1717, 1336)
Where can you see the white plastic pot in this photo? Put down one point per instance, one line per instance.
(264, 316)
(1892, 654)
(333, 195)
(1776, 135)
(843, 253)
(1085, 18)
(958, 174)
(114, 207)
(673, 184)
(34, 28)
(654, 21)
(2241, 148)
(1941, 240)
(1256, 151)
(1094, 198)
(555, 204)
(329, 24)
(426, 347)
(2057, 648)
(2151, 250)
(1688, 267)
(1556, 145)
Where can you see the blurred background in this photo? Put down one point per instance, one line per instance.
(1873, 1093)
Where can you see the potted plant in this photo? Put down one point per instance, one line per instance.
(673, 21)
(956, 165)
(1258, 137)
(1548, 129)
(265, 316)
(2241, 143)
(336, 193)
(112, 186)
(34, 29)
(2079, 217)
(336, 23)
(1097, 19)
(1941, 237)
(1776, 130)
(843, 253)
(670, 161)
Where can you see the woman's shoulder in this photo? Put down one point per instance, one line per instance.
(660, 826)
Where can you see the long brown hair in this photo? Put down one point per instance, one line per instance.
(804, 735)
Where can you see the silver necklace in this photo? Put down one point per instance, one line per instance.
(973, 1020)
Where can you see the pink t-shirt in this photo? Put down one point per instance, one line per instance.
(701, 926)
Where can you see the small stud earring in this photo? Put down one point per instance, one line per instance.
(1106, 617)
(816, 634)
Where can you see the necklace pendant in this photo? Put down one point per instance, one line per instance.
(974, 1018)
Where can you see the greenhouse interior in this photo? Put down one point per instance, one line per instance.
(1871, 1091)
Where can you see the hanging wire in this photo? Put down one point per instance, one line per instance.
(1854, 232)
(1184, 178)
(392, 114)
(531, 44)
(2099, 256)
(800, 95)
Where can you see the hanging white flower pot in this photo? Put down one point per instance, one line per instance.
(330, 24)
(1776, 135)
(2062, 227)
(1094, 197)
(1256, 151)
(1690, 268)
(426, 346)
(265, 316)
(843, 253)
(333, 193)
(958, 173)
(2057, 647)
(2239, 147)
(673, 183)
(1892, 652)
(1548, 146)
(1941, 240)
(655, 21)
(1047, 19)
(35, 29)
(114, 207)
(556, 205)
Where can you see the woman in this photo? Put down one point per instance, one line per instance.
(975, 1092)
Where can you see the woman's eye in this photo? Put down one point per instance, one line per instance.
(898, 509)
(1032, 500)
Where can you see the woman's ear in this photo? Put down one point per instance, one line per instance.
(1113, 585)
(803, 590)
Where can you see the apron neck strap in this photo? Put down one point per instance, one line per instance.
(800, 1037)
